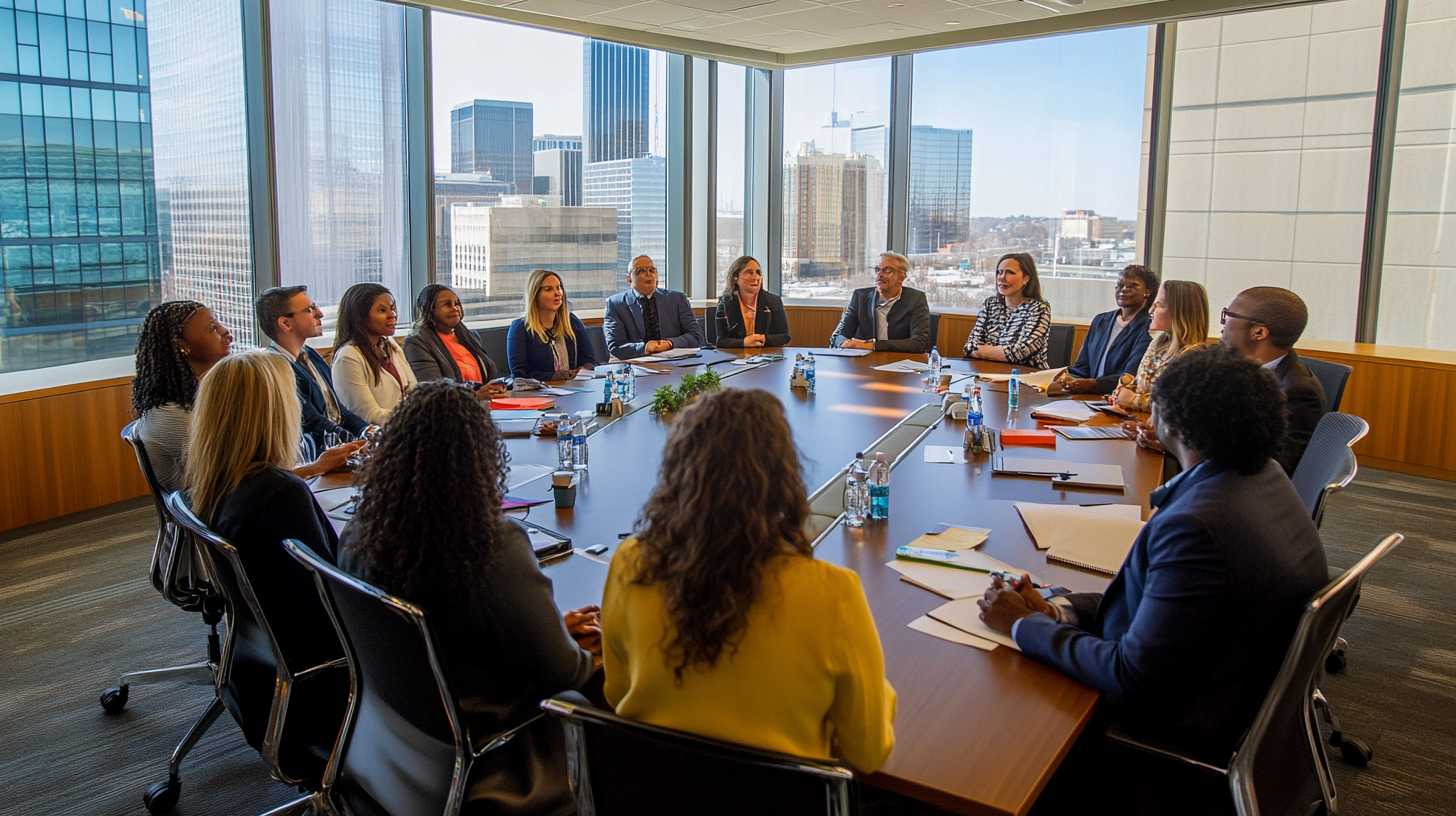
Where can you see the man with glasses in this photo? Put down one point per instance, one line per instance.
(1263, 324)
(888, 316)
(647, 320)
(290, 317)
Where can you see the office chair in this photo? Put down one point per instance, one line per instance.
(1059, 346)
(175, 574)
(935, 332)
(599, 344)
(405, 748)
(710, 326)
(493, 341)
(1332, 377)
(290, 713)
(620, 767)
(1280, 765)
(1328, 463)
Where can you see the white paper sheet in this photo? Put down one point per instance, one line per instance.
(1071, 410)
(523, 473)
(945, 455)
(840, 352)
(1040, 379)
(904, 367)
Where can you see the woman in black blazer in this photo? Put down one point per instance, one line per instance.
(749, 317)
(440, 335)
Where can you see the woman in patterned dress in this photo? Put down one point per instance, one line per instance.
(1013, 324)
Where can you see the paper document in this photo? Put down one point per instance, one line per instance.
(1052, 523)
(995, 378)
(953, 582)
(1084, 474)
(952, 537)
(945, 631)
(1070, 410)
(704, 357)
(521, 474)
(904, 367)
(966, 616)
(945, 455)
(589, 374)
(674, 354)
(841, 352)
(1029, 467)
(336, 497)
(1091, 432)
(561, 392)
(1040, 379)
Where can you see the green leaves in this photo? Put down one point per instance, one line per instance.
(667, 399)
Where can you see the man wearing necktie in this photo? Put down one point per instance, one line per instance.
(646, 319)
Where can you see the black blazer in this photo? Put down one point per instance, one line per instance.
(909, 321)
(1123, 358)
(1304, 397)
(770, 321)
(315, 410)
(430, 360)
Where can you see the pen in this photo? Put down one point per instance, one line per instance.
(1006, 576)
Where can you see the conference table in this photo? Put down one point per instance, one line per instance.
(976, 732)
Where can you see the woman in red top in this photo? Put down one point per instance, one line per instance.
(442, 347)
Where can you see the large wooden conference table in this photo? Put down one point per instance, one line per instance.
(976, 732)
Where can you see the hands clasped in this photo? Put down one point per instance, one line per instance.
(1007, 602)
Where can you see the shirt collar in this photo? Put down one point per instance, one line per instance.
(881, 303)
(1274, 363)
(1160, 496)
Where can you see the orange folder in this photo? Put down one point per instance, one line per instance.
(1043, 436)
(522, 403)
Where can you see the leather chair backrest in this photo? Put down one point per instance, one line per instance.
(493, 341)
(599, 343)
(710, 325)
(172, 567)
(1059, 346)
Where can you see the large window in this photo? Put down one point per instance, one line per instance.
(550, 152)
(732, 103)
(836, 197)
(79, 252)
(1031, 147)
(1270, 155)
(1418, 286)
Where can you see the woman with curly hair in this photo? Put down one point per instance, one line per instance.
(503, 643)
(714, 614)
(371, 374)
(179, 342)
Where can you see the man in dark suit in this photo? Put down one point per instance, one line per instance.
(1263, 324)
(289, 317)
(1189, 636)
(888, 316)
(1117, 340)
(646, 320)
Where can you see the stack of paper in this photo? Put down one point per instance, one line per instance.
(1065, 410)
(945, 631)
(966, 616)
(1096, 538)
(952, 582)
(904, 367)
(952, 537)
(1040, 380)
(841, 352)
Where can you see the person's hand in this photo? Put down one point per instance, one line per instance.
(1006, 603)
(337, 457)
(585, 627)
(1130, 428)
(1147, 437)
(1076, 385)
(1125, 398)
(654, 346)
(858, 344)
(563, 374)
(753, 341)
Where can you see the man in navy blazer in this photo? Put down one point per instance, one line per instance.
(1117, 340)
(647, 320)
(289, 317)
(888, 316)
(1191, 633)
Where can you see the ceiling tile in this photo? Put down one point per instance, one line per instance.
(879, 31)
(824, 18)
(721, 6)
(742, 31)
(774, 9)
(966, 17)
(700, 23)
(1018, 10)
(652, 12)
(573, 9)
(790, 42)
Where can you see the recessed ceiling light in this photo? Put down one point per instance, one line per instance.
(897, 5)
(951, 22)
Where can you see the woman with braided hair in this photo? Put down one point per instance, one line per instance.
(179, 341)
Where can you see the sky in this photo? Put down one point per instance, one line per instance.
(1057, 121)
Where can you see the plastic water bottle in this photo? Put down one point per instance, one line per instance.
(564, 442)
(880, 488)
(809, 370)
(797, 370)
(856, 492)
(630, 373)
(966, 398)
(609, 387)
(1013, 389)
(976, 407)
(932, 376)
(578, 440)
(974, 440)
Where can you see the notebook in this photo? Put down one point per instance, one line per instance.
(1067, 410)
(1085, 474)
(1091, 432)
(1041, 436)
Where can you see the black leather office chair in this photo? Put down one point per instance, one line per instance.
(176, 574)
(1332, 377)
(1280, 766)
(710, 325)
(1328, 463)
(1059, 346)
(494, 343)
(290, 712)
(621, 767)
(935, 332)
(405, 748)
(599, 344)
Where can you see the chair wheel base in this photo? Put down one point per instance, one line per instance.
(113, 700)
(1335, 661)
(1356, 752)
(162, 797)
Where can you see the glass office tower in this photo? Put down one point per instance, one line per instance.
(614, 100)
(78, 215)
(495, 137)
(940, 188)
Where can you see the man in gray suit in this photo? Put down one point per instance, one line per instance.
(888, 316)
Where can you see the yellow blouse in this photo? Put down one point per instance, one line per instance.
(808, 668)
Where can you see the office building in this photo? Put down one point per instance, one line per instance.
(940, 189)
(79, 246)
(460, 188)
(553, 141)
(495, 137)
(637, 190)
(828, 200)
(558, 173)
(615, 113)
(1080, 225)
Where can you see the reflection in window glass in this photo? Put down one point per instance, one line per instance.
(836, 204)
(339, 136)
(562, 166)
(1032, 147)
(1418, 285)
(732, 100)
(1270, 155)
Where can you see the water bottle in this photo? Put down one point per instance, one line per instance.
(1013, 389)
(966, 399)
(809, 370)
(880, 488)
(797, 370)
(563, 442)
(976, 407)
(856, 492)
(975, 438)
(578, 440)
(609, 387)
(630, 374)
(932, 377)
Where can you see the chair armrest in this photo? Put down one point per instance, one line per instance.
(486, 744)
(311, 671)
(1118, 734)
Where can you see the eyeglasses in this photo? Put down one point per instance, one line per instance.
(1226, 314)
(651, 269)
(887, 270)
(312, 307)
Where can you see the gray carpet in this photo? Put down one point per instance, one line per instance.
(76, 610)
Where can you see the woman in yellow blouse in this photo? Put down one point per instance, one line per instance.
(713, 619)
(1181, 314)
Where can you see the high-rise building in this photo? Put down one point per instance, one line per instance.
(1084, 225)
(553, 141)
(460, 188)
(79, 244)
(637, 190)
(940, 188)
(495, 137)
(615, 112)
(831, 202)
(558, 173)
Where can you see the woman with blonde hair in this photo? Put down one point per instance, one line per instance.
(713, 617)
(1180, 312)
(371, 374)
(548, 342)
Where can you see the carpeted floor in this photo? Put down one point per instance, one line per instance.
(76, 610)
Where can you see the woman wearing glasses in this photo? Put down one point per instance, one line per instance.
(371, 374)
(549, 342)
(442, 347)
(1013, 324)
(749, 317)
(1180, 312)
